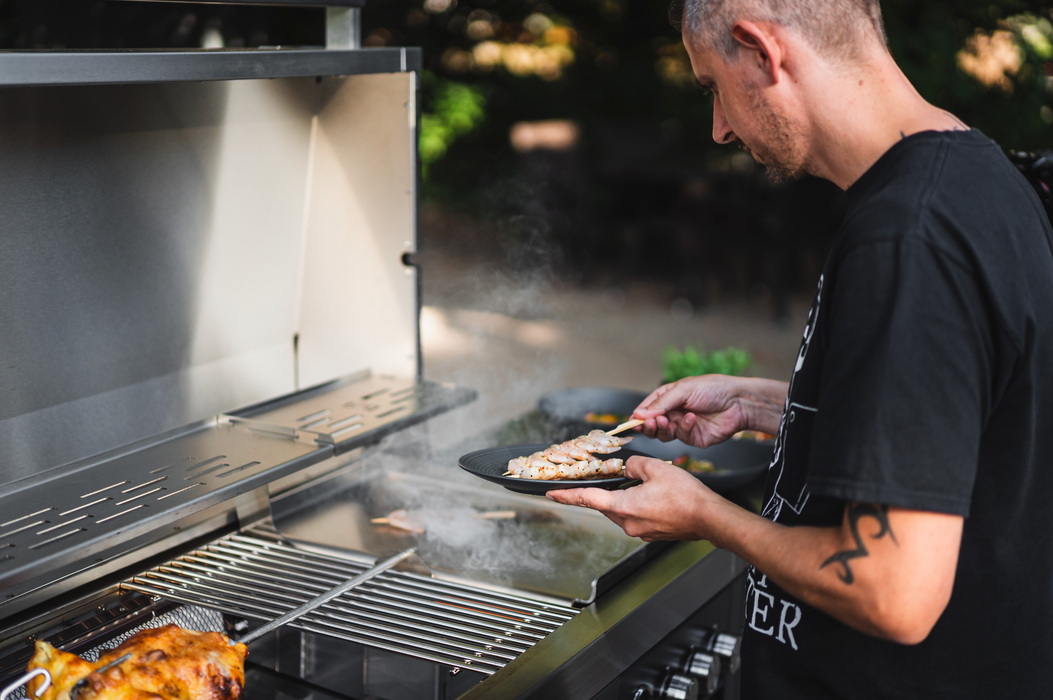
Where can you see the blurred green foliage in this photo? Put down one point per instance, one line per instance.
(692, 363)
(625, 65)
(455, 110)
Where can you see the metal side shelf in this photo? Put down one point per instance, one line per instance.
(104, 67)
(61, 519)
(354, 411)
(58, 522)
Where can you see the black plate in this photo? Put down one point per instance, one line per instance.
(737, 462)
(492, 462)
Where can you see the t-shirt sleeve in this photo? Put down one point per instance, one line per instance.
(903, 394)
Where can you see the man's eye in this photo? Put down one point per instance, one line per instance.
(707, 89)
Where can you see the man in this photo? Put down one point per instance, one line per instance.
(905, 549)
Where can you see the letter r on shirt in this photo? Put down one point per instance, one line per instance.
(788, 626)
(762, 611)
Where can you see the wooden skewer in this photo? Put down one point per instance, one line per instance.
(381, 521)
(496, 515)
(627, 425)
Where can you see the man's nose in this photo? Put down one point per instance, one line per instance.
(722, 132)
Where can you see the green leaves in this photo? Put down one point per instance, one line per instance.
(456, 110)
(690, 363)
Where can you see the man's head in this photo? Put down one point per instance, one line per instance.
(764, 61)
(833, 27)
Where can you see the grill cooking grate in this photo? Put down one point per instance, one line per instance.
(256, 575)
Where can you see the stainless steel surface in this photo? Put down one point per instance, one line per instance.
(365, 406)
(163, 250)
(324, 598)
(34, 68)
(258, 576)
(704, 667)
(547, 549)
(727, 646)
(59, 519)
(342, 28)
(679, 687)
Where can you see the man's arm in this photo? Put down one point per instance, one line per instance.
(885, 571)
(709, 409)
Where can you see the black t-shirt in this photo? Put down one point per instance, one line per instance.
(924, 380)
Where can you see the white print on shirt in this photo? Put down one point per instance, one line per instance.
(760, 605)
(797, 499)
(763, 607)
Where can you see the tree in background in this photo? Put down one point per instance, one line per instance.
(650, 191)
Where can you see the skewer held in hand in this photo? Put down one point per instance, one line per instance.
(627, 425)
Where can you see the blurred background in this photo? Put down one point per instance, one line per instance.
(577, 220)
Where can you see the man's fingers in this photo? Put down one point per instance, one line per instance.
(597, 499)
(640, 467)
(650, 399)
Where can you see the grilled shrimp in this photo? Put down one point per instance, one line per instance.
(573, 459)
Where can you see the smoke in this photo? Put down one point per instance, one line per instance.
(486, 325)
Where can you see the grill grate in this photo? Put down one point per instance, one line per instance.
(256, 575)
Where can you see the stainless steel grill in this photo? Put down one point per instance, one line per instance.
(257, 575)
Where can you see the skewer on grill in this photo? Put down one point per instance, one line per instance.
(490, 515)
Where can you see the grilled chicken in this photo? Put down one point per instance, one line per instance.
(168, 663)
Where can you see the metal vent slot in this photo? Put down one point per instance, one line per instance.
(136, 488)
(175, 493)
(86, 505)
(123, 512)
(25, 517)
(210, 460)
(235, 470)
(56, 538)
(26, 527)
(317, 414)
(169, 466)
(137, 496)
(255, 576)
(107, 488)
(213, 468)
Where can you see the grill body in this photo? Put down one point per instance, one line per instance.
(210, 317)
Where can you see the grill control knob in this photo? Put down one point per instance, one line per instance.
(679, 687)
(705, 668)
(642, 692)
(726, 645)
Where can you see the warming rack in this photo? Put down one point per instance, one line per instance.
(257, 575)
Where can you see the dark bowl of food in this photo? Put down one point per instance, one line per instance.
(729, 465)
(577, 410)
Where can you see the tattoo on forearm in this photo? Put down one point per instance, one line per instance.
(856, 512)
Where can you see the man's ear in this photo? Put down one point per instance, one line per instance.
(760, 46)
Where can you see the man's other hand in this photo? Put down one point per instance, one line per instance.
(707, 410)
(668, 505)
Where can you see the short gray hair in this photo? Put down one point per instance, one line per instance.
(832, 26)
